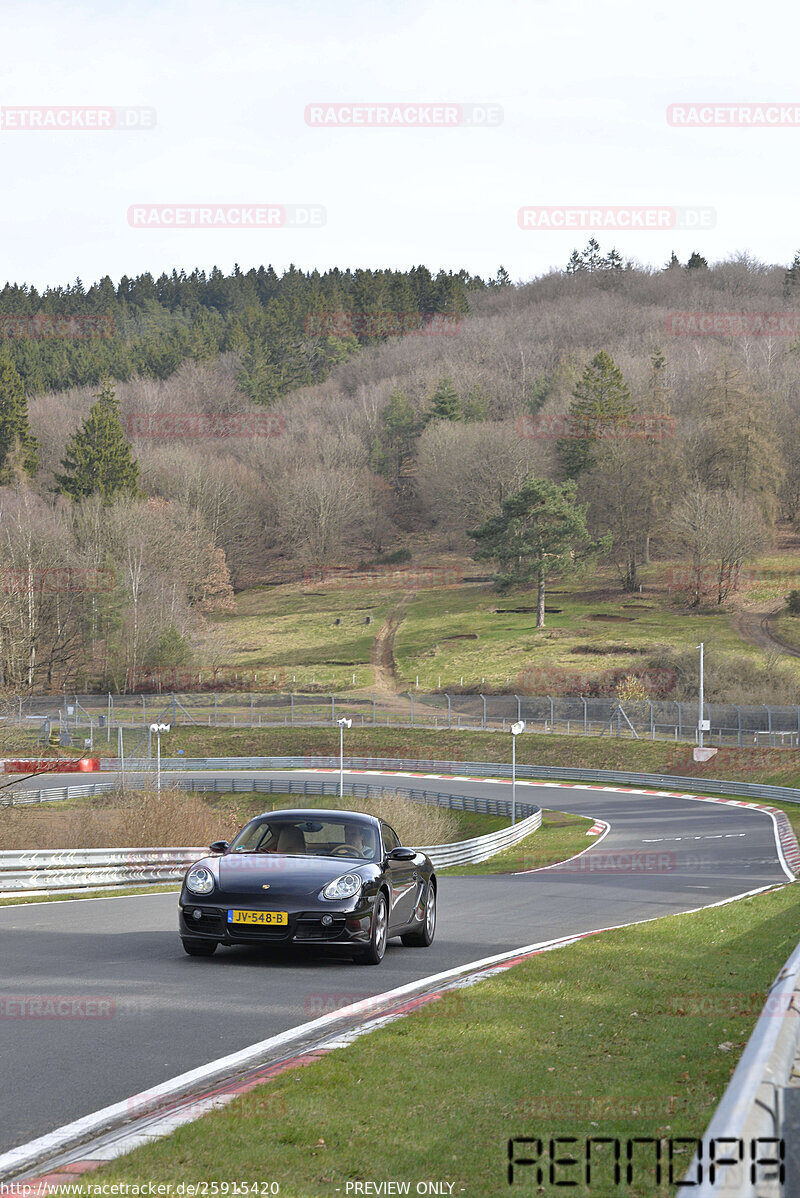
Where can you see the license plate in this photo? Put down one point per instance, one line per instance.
(272, 918)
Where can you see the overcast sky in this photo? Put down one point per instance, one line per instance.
(583, 86)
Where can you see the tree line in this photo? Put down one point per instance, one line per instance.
(146, 326)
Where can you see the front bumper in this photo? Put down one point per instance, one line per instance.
(200, 920)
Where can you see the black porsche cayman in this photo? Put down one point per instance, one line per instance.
(337, 879)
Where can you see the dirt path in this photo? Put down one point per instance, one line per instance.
(754, 626)
(382, 655)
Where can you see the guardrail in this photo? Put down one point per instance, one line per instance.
(37, 871)
(29, 871)
(753, 1109)
(486, 769)
(309, 786)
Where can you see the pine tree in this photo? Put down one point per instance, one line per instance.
(18, 448)
(696, 262)
(98, 457)
(445, 404)
(540, 531)
(575, 263)
(397, 443)
(600, 407)
(476, 405)
(792, 277)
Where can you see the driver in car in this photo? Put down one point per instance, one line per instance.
(359, 838)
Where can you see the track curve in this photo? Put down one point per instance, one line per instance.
(166, 1013)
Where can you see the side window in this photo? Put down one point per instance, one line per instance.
(390, 838)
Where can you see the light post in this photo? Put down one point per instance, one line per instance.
(343, 723)
(515, 731)
(158, 729)
(700, 721)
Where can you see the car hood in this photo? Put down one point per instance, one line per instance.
(248, 873)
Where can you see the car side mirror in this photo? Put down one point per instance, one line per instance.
(402, 854)
(219, 846)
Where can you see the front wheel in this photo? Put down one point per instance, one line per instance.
(424, 937)
(199, 948)
(378, 936)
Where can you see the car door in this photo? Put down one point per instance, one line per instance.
(403, 881)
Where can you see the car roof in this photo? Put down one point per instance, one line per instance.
(318, 813)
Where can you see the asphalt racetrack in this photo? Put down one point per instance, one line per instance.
(158, 1012)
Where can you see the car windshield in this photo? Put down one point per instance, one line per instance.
(324, 837)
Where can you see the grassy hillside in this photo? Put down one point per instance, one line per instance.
(467, 631)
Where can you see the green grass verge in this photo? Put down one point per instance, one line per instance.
(560, 836)
(632, 1033)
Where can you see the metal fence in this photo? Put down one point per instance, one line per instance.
(98, 719)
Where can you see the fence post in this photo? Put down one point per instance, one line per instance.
(333, 709)
(373, 711)
(450, 714)
(483, 722)
(652, 724)
(411, 697)
(519, 708)
(291, 702)
(252, 705)
(739, 715)
(585, 714)
(552, 713)
(769, 725)
(215, 709)
(144, 713)
(680, 721)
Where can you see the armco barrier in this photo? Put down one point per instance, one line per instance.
(485, 769)
(70, 869)
(25, 872)
(758, 1106)
(308, 786)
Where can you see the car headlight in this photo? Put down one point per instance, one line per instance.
(200, 880)
(343, 888)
